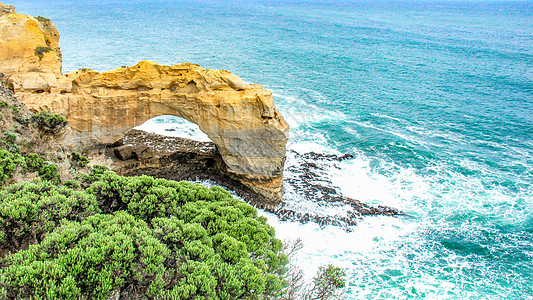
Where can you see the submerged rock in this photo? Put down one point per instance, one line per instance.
(308, 179)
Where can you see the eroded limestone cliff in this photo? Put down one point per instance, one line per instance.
(241, 119)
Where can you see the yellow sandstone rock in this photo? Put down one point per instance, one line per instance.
(240, 118)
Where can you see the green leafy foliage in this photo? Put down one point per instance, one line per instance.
(92, 258)
(327, 282)
(147, 197)
(94, 175)
(79, 159)
(15, 110)
(9, 138)
(50, 172)
(34, 162)
(30, 210)
(3, 104)
(8, 164)
(48, 122)
(73, 184)
(156, 238)
(8, 142)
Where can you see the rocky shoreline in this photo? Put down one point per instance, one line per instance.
(307, 180)
(176, 158)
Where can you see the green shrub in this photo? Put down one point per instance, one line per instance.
(73, 184)
(9, 137)
(79, 159)
(159, 239)
(30, 210)
(327, 282)
(8, 164)
(94, 258)
(48, 122)
(40, 51)
(34, 163)
(142, 196)
(3, 104)
(94, 175)
(42, 19)
(50, 172)
(8, 142)
(15, 110)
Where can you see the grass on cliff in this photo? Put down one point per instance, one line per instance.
(40, 51)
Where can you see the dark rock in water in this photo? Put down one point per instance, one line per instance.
(324, 156)
(124, 152)
(184, 159)
(308, 178)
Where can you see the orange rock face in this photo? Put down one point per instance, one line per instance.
(240, 118)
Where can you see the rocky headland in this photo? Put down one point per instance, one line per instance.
(248, 131)
(249, 135)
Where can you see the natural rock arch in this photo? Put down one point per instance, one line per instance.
(241, 119)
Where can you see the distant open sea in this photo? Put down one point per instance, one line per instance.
(434, 99)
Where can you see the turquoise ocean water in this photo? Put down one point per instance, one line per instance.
(433, 98)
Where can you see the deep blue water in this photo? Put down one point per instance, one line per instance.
(434, 99)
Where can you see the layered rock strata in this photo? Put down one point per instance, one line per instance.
(249, 133)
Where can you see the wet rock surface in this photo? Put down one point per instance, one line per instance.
(308, 179)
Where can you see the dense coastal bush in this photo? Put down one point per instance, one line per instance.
(48, 122)
(28, 211)
(50, 172)
(92, 258)
(79, 159)
(34, 163)
(156, 238)
(8, 163)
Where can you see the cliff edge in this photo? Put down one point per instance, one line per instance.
(249, 132)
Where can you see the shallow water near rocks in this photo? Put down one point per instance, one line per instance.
(432, 99)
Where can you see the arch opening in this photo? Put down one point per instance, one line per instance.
(173, 126)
